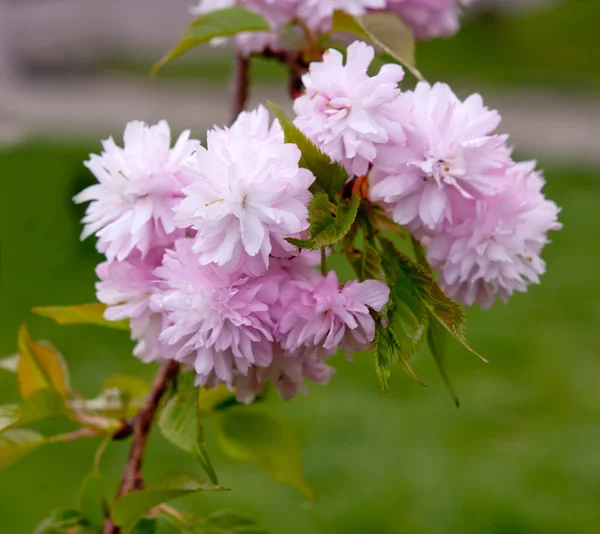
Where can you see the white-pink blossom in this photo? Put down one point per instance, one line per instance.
(348, 113)
(496, 251)
(318, 14)
(131, 206)
(218, 323)
(428, 18)
(322, 314)
(126, 287)
(247, 194)
(287, 373)
(450, 158)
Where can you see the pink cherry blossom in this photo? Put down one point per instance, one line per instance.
(497, 250)
(218, 323)
(132, 205)
(318, 14)
(347, 113)
(287, 373)
(326, 315)
(428, 18)
(246, 195)
(450, 158)
(126, 287)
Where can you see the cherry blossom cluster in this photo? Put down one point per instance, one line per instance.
(435, 163)
(427, 18)
(197, 261)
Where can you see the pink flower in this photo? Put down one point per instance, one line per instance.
(448, 160)
(287, 373)
(132, 205)
(428, 18)
(218, 323)
(246, 195)
(318, 14)
(321, 314)
(497, 250)
(347, 113)
(126, 287)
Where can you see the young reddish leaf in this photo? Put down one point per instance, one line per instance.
(40, 366)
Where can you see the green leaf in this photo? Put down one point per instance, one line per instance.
(10, 363)
(60, 522)
(210, 399)
(329, 222)
(41, 404)
(131, 391)
(40, 366)
(406, 312)
(228, 522)
(248, 435)
(436, 339)
(92, 501)
(219, 23)
(180, 423)
(127, 510)
(83, 314)
(387, 31)
(14, 444)
(330, 176)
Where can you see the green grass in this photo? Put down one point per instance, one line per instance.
(519, 457)
(556, 47)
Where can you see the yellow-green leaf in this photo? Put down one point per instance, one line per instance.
(16, 443)
(218, 23)
(386, 30)
(92, 501)
(135, 505)
(249, 435)
(40, 366)
(82, 314)
(41, 404)
(211, 398)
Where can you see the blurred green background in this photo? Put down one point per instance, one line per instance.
(520, 456)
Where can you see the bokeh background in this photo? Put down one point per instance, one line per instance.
(520, 456)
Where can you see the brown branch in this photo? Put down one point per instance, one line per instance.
(132, 475)
(240, 85)
(297, 67)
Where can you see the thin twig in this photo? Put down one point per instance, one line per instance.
(132, 475)
(240, 85)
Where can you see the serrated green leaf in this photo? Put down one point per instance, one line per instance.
(10, 363)
(180, 423)
(92, 501)
(16, 443)
(60, 522)
(329, 222)
(436, 339)
(218, 23)
(40, 366)
(127, 510)
(249, 435)
(330, 176)
(41, 404)
(82, 314)
(386, 30)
